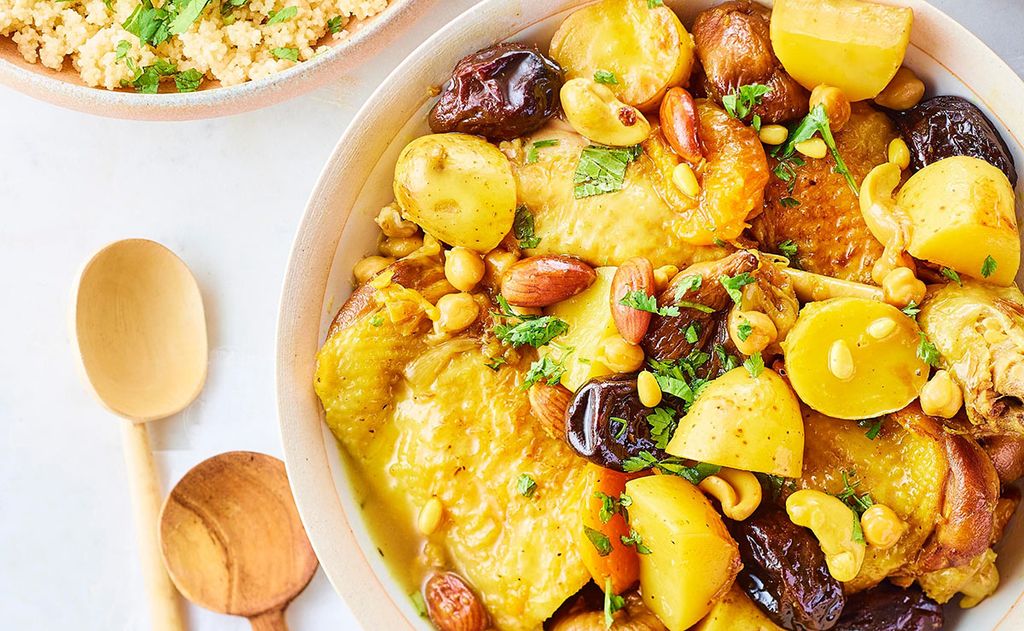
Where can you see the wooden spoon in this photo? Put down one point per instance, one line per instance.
(142, 338)
(232, 539)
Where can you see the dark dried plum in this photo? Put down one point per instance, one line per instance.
(947, 126)
(784, 572)
(890, 608)
(594, 431)
(500, 92)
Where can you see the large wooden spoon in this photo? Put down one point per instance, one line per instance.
(141, 333)
(232, 539)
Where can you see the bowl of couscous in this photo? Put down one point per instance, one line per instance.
(187, 59)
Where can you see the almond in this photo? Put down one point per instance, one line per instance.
(636, 274)
(452, 605)
(681, 125)
(539, 281)
(549, 404)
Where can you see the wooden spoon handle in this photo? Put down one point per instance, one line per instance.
(269, 621)
(144, 485)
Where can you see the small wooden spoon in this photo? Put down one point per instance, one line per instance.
(232, 539)
(141, 334)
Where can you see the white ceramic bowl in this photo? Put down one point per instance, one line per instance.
(338, 229)
(66, 89)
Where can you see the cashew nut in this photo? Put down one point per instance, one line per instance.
(737, 491)
(594, 112)
(835, 525)
(890, 225)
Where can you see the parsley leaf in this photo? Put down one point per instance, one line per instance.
(148, 23)
(754, 365)
(611, 506)
(952, 275)
(147, 80)
(419, 603)
(858, 532)
(122, 49)
(522, 228)
(670, 466)
(291, 54)
(606, 76)
(612, 602)
(663, 425)
(728, 361)
(874, 427)
(859, 503)
(188, 12)
(686, 304)
(734, 284)
(188, 80)
(785, 170)
(744, 330)
(544, 369)
(688, 284)
(640, 301)
(816, 122)
(911, 310)
(988, 266)
(495, 363)
(534, 331)
(285, 14)
(787, 249)
(634, 539)
(335, 24)
(652, 4)
(600, 541)
(525, 485)
(377, 320)
(740, 102)
(926, 351)
(602, 169)
(623, 426)
(532, 155)
(789, 202)
(692, 333)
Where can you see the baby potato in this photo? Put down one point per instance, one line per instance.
(962, 211)
(853, 45)
(744, 422)
(854, 358)
(458, 188)
(646, 48)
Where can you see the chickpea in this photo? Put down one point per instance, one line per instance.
(685, 180)
(495, 264)
(369, 267)
(595, 113)
(813, 148)
(393, 225)
(837, 106)
(463, 268)
(399, 247)
(900, 288)
(648, 389)
(457, 311)
(773, 134)
(621, 356)
(840, 360)
(664, 275)
(751, 331)
(899, 153)
(430, 516)
(903, 92)
(941, 396)
(882, 527)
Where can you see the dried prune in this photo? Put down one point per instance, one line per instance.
(947, 126)
(500, 92)
(890, 608)
(607, 424)
(784, 572)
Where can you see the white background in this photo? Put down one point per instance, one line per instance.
(226, 195)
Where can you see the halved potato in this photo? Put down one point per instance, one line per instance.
(854, 358)
(736, 611)
(852, 45)
(647, 48)
(693, 560)
(744, 422)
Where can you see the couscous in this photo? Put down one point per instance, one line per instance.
(140, 43)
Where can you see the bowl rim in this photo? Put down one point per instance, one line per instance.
(305, 289)
(375, 33)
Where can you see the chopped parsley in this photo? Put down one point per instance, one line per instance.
(911, 310)
(228, 6)
(988, 266)
(495, 363)
(688, 284)
(692, 333)
(687, 304)
(874, 426)
(642, 302)
(728, 361)
(786, 168)
(147, 80)
(601, 543)
(859, 503)
(525, 485)
(532, 155)
(623, 426)
(776, 484)
(663, 425)
(634, 539)
(602, 169)
(606, 77)
(419, 603)
(926, 351)
(188, 80)
(742, 101)
(291, 54)
(285, 14)
(545, 369)
(522, 228)
(377, 320)
(789, 202)
(611, 506)
(150, 24)
(816, 122)
(670, 466)
(734, 284)
(952, 275)
(122, 49)
(754, 365)
(188, 12)
(744, 330)
(858, 532)
(612, 601)
(529, 330)
(335, 24)
(653, 4)
(679, 378)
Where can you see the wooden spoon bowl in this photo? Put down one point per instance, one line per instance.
(232, 539)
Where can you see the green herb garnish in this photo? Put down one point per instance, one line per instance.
(291, 54)
(874, 427)
(634, 539)
(525, 485)
(188, 12)
(419, 603)
(816, 122)
(335, 24)
(600, 541)
(988, 266)
(741, 102)
(606, 77)
(911, 310)
(623, 426)
(532, 155)
(612, 602)
(671, 466)
(188, 80)
(926, 351)
(859, 503)
(663, 425)
(754, 365)
(744, 330)
(734, 284)
(544, 369)
(495, 363)
(952, 275)
(522, 228)
(528, 330)
(692, 333)
(285, 14)
(651, 4)
(602, 169)
(642, 302)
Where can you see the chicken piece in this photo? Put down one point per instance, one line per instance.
(421, 420)
(735, 48)
(1007, 456)
(827, 227)
(978, 330)
(976, 580)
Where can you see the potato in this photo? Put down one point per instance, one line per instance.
(647, 48)
(589, 317)
(962, 210)
(744, 422)
(854, 358)
(458, 188)
(852, 45)
(736, 611)
(693, 560)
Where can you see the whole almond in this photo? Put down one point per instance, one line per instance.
(636, 274)
(539, 281)
(549, 404)
(452, 605)
(680, 124)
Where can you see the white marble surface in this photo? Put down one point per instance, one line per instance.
(226, 195)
